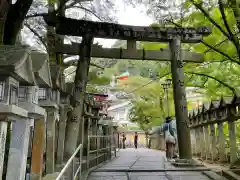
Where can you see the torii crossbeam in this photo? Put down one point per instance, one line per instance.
(129, 53)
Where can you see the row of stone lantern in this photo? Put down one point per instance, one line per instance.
(207, 130)
(34, 97)
(30, 96)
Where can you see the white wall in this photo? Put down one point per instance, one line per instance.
(120, 112)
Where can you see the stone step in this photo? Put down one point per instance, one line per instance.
(53, 176)
(230, 175)
(117, 169)
(214, 176)
(182, 164)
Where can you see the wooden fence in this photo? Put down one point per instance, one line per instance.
(213, 130)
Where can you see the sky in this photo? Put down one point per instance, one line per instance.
(130, 16)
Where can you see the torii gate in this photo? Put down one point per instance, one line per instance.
(89, 29)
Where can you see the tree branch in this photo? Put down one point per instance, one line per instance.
(36, 34)
(199, 7)
(88, 10)
(234, 4)
(220, 43)
(35, 15)
(220, 52)
(211, 77)
(210, 46)
(55, 12)
(144, 85)
(234, 39)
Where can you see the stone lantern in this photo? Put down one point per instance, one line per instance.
(15, 68)
(48, 98)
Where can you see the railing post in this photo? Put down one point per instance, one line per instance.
(110, 142)
(193, 140)
(97, 150)
(80, 163)
(221, 138)
(88, 152)
(202, 146)
(206, 137)
(213, 142)
(105, 146)
(232, 140)
(73, 171)
(198, 145)
(115, 144)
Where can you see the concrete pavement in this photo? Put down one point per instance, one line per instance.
(144, 164)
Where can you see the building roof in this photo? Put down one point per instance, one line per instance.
(126, 103)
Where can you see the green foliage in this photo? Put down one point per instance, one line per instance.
(219, 74)
(52, 1)
(96, 78)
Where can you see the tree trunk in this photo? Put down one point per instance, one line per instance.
(51, 36)
(13, 23)
(78, 95)
(4, 6)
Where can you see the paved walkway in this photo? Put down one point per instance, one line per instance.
(143, 164)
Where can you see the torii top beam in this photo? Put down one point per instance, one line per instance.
(117, 53)
(74, 27)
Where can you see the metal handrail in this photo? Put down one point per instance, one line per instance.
(71, 161)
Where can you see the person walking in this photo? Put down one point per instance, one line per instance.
(169, 138)
(136, 140)
(124, 140)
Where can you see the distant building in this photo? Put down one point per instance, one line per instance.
(120, 113)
